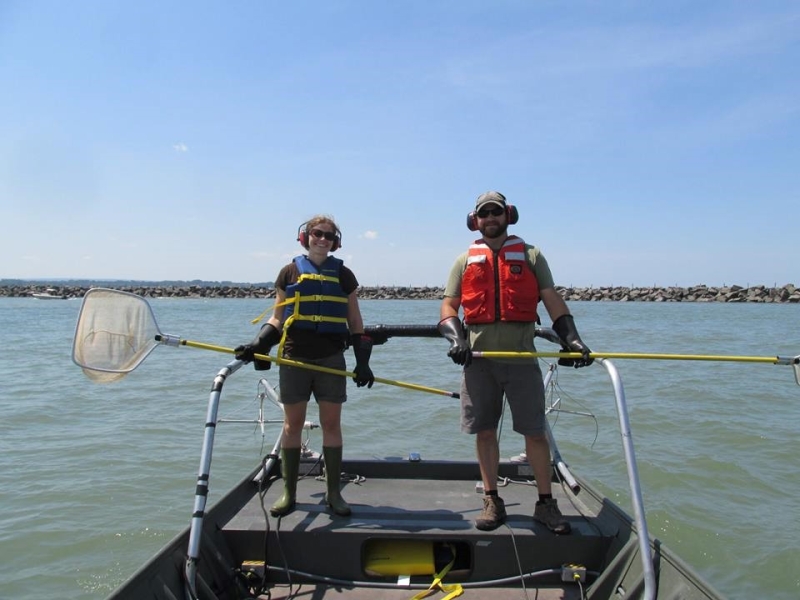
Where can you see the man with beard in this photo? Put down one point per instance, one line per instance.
(498, 283)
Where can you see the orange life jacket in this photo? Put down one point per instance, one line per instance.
(501, 286)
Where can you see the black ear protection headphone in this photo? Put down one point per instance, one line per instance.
(512, 216)
(303, 233)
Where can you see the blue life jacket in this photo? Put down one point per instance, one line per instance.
(317, 300)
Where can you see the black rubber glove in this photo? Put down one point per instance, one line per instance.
(459, 350)
(362, 348)
(564, 326)
(261, 344)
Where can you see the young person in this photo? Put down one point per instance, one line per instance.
(317, 332)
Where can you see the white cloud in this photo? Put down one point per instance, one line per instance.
(180, 147)
(370, 235)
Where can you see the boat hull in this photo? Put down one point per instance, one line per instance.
(403, 508)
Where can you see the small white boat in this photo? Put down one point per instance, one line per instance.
(49, 294)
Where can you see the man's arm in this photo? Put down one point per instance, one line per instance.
(449, 308)
(554, 303)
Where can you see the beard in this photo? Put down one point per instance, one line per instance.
(494, 231)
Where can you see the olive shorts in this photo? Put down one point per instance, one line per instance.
(297, 384)
(483, 384)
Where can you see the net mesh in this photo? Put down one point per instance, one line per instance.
(115, 332)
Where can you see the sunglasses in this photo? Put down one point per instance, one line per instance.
(495, 212)
(328, 235)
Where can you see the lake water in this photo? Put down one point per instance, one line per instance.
(95, 478)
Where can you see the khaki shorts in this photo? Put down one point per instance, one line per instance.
(297, 384)
(483, 385)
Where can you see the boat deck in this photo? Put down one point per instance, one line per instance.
(409, 520)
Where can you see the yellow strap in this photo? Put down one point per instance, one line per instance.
(312, 276)
(320, 297)
(317, 277)
(453, 590)
(294, 299)
(286, 324)
(319, 318)
(296, 316)
(271, 308)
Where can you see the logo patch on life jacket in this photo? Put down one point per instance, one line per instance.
(515, 269)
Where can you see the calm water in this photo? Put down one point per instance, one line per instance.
(96, 478)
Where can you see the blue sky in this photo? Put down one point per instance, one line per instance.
(644, 143)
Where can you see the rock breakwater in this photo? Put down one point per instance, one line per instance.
(699, 293)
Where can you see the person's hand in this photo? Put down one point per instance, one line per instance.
(585, 361)
(244, 352)
(364, 376)
(261, 344)
(564, 326)
(362, 348)
(459, 350)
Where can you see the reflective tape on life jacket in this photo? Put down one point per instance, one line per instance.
(499, 286)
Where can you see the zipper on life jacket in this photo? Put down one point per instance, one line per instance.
(495, 259)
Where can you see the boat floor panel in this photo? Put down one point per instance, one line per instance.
(418, 506)
(399, 510)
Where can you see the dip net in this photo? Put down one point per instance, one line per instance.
(115, 332)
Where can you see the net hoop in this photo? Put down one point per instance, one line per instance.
(115, 332)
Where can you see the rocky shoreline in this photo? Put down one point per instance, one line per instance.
(699, 293)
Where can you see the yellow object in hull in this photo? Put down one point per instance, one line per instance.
(398, 557)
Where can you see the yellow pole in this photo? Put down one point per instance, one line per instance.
(649, 356)
(302, 365)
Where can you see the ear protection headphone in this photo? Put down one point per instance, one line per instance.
(512, 216)
(303, 233)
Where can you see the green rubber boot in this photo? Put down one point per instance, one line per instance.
(333, 473)
(290, 465)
